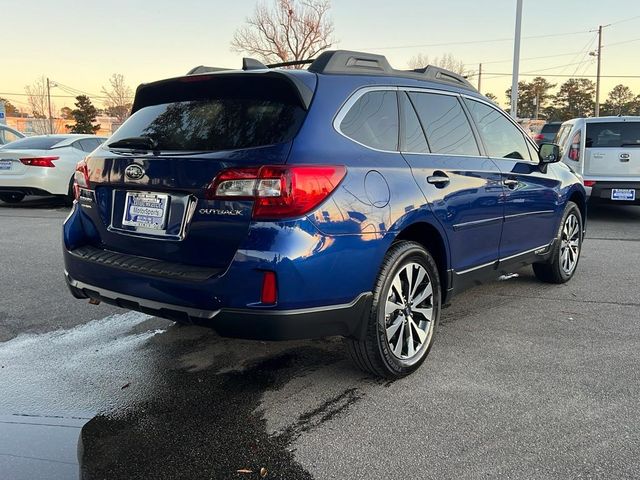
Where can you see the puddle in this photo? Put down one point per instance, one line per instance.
(132, 396)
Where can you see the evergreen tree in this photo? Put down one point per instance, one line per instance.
(84, 115)
(576, 98)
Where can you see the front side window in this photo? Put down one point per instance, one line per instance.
(501, 138)
(373, 120)
(445, 124)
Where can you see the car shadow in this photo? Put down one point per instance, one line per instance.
(52, 202)
(613, 213)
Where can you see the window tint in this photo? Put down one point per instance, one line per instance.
(445, 123)
(88, 144)
(411, 137)
(373, 120)
(35, 143)
(501, 138)
(613, 134)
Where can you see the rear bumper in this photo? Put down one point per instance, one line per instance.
(38, 181)
(601, 191)
(346, 320)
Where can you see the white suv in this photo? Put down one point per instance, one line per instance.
(606, 152)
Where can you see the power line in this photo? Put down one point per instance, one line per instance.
(471, 42)
(562, 75)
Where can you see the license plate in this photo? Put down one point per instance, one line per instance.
(5, 164)
(628, 194)
(145, 210)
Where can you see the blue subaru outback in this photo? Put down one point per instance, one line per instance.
(346, 199)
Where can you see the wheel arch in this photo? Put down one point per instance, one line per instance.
(579, 198)
(434, 241)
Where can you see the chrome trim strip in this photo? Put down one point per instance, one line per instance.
(477, 268)
(533, 250)
(538, 212)
(477, 222)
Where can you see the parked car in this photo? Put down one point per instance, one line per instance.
(547, 133)
(605, 151)
(349, 199)
(42, 165)
(8, 134)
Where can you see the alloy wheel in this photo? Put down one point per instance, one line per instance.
(409, 311)
(570, 244)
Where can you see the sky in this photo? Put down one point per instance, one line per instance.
(81, 43)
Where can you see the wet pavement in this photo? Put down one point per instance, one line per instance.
(525, 380)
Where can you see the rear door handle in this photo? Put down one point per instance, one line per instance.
(439, 179)
(511, 183)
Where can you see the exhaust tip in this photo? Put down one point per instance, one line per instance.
(94, 301)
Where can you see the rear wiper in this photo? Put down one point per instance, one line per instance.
(630, 145)
(135, 143)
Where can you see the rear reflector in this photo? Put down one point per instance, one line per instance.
(589, 183)
(269, 289)
(39, 161)
(278, 191)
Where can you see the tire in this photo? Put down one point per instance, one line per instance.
(561, 266)
(70, 196)
(11, 197)
(409, 317)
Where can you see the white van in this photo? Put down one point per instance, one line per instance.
(606, 152)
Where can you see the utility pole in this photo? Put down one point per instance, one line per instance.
(480, 78)
(599, 55)
(49, 103)
(516, 61)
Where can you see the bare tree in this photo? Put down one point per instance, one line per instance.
(119, 97)
(39, 106)
(447, 61)
(286, 30)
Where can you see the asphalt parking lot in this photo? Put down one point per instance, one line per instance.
(525, 380)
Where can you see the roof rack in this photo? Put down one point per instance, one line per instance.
(348, 62)
(354, 63)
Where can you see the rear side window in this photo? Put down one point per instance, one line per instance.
(501, 138)
(550, 128)
(613, 135)
(35, 143)
(373, 120)
(445, 124)
(412, 137)
(212, 114)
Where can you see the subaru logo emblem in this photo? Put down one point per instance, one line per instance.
(134, 172)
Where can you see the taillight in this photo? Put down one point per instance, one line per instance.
(278, 191)
(574, 148)
(539, 137)
(589, 183)
(39, 161)
(80, 178)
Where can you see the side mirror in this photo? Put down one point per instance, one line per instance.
(549, 153)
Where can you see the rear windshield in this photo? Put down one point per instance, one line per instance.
(613, 134)
(224, 116)
(33, 143)
(550, 128)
